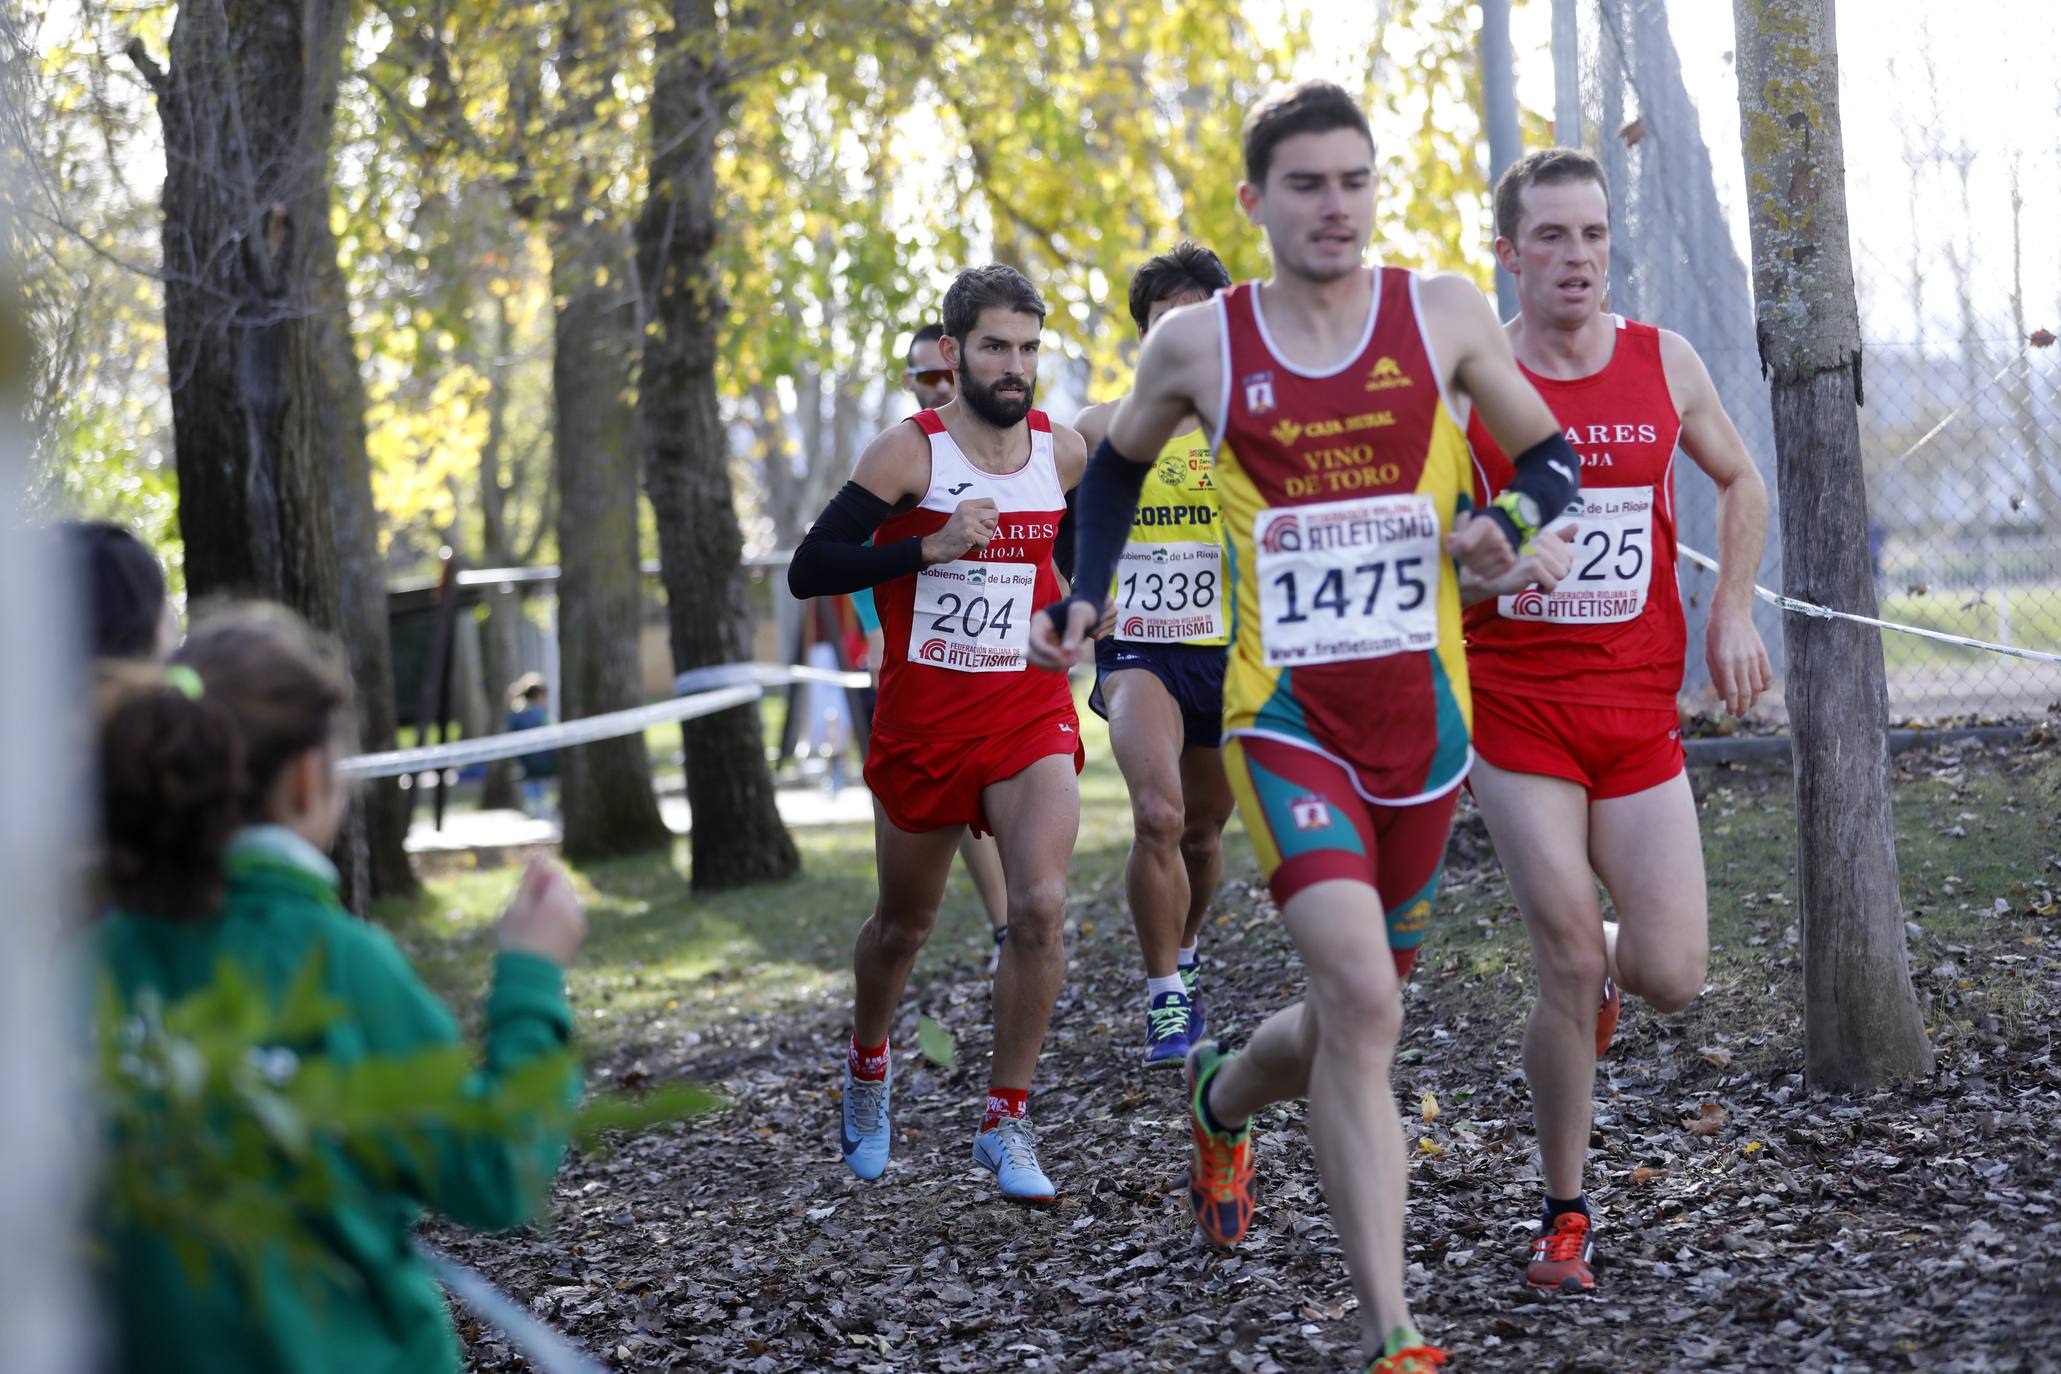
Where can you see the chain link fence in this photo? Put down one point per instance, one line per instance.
(1953, 138)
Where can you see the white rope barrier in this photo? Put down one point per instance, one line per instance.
(1812, 609)
(763, 675)
(546, 1349)
(464, 753)
(699, 692)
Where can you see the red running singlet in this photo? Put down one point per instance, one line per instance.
(1612, 633)
(956, 636)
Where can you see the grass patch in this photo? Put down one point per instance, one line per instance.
(2029, 617)
(1972, 829)
(658, 955)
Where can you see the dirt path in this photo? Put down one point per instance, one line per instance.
(1914, 1230)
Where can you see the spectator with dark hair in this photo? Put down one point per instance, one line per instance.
(220, 793)
(128, 614)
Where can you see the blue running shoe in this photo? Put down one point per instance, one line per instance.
(1198, 1019)
(1008, 1152)
(1167, 1035)
(864, 1131)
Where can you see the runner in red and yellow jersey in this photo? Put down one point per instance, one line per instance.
(962, 504)
(1343, 479)
(1581, 769)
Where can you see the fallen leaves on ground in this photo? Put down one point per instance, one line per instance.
(1745, 1221)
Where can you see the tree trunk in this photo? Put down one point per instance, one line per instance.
(267, 411)
(1862, 1023)
(469, 705)
(379, 809)
(500, 650)
(497, 631)
(246, 123)
(738, 836)
(1499, 119)
(1567, 75)
(605, 787)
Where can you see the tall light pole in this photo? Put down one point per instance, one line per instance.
(1499, 112)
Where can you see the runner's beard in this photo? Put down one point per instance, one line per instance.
(997, 411)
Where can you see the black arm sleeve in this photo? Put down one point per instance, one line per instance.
(1062, 540)
(834, 558)
(1548, 481)
(1104, 504)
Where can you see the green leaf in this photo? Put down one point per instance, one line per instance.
(659, 1107)
(936, 1043)
(282, 1124)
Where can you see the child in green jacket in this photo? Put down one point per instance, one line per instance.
(219, 796)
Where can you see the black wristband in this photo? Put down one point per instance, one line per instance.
(1104, 505)
(1547, 480)
(1060, 609)
(1062, 539)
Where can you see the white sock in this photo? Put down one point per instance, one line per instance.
(1188, 958)
(1171, 983)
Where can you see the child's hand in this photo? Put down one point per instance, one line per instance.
(545, 916)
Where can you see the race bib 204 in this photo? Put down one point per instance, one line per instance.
(1348, 579)
(1167, 593)
(973, 617)
(1613, 564)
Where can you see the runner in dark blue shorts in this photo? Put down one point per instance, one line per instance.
(1193, 675)
(1159, 682)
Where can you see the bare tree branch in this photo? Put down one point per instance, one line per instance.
(152, 72)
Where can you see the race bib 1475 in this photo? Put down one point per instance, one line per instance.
(1348, 579)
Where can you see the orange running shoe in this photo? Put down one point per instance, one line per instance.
(1220, 1168)
(1416, 1359)
(1606, 1016)
(1560, 1256)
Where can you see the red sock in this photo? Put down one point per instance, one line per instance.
(868, 1061)
(1005, 1104)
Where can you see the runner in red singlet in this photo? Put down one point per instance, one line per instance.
(1580, 772)
(962, 504)
(1343, 479)
(927, 378)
